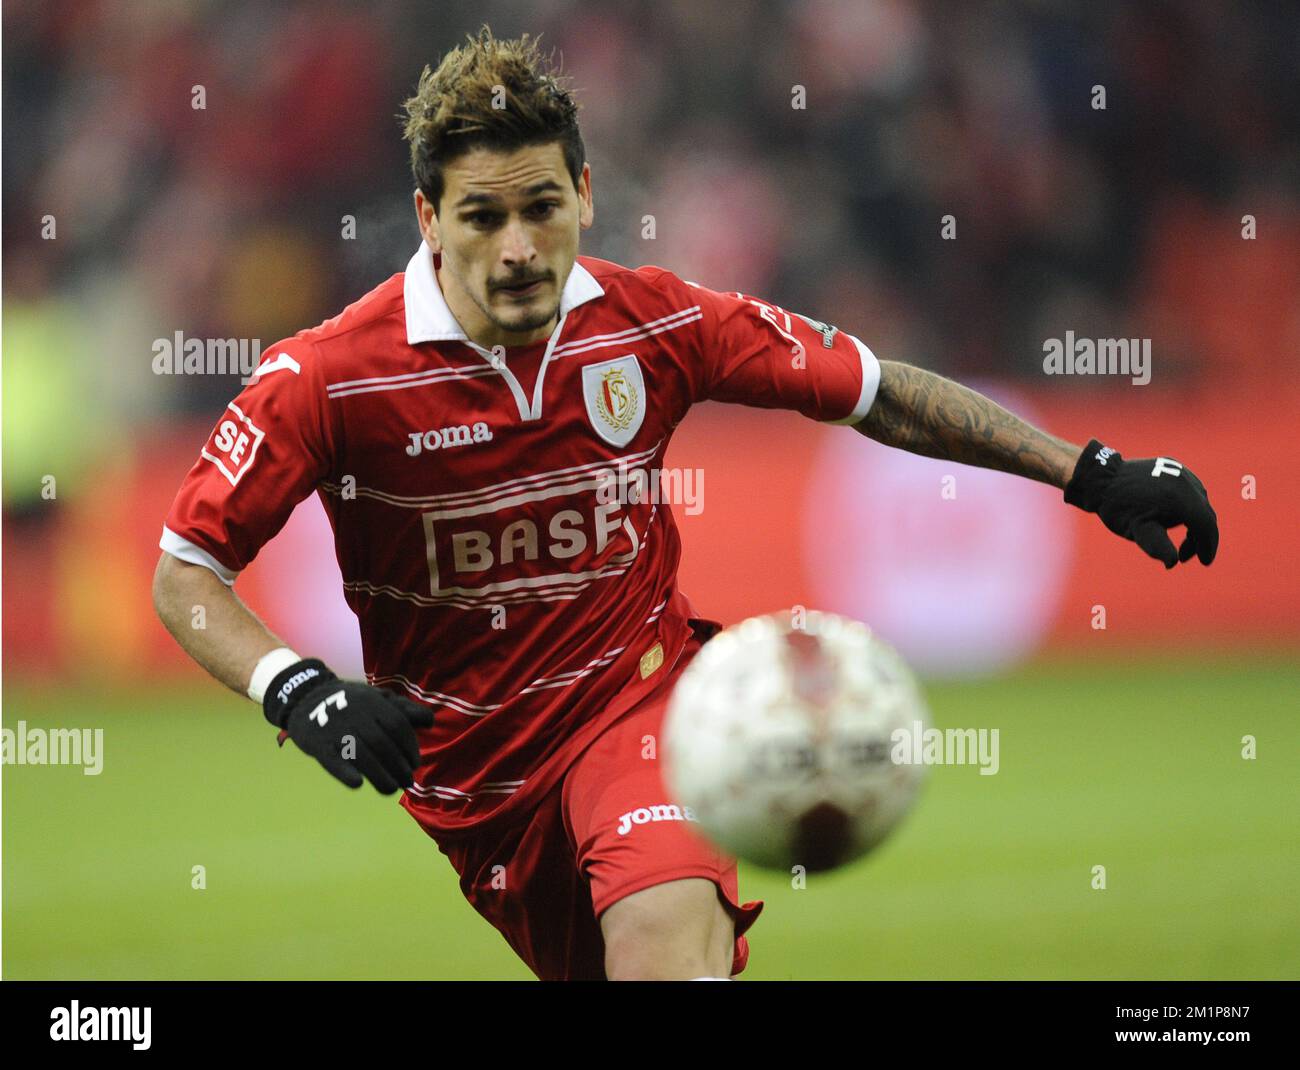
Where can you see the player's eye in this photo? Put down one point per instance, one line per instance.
(543, 209)
(481, 219)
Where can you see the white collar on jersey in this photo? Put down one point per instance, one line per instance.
(428, 319)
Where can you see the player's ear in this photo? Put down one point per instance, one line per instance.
(586, 208)
(428, 221)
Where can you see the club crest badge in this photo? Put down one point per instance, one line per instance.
(615, 395)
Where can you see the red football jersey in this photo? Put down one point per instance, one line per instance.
(497, 517)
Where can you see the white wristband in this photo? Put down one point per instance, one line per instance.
(268, 669)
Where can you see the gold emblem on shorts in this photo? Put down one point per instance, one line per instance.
(652, 659)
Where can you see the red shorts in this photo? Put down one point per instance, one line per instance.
(604, 831)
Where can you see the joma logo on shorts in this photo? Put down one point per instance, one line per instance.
(662, 812)
(446, 437)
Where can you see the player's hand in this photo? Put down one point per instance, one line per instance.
(1141, 499)
(357, 732)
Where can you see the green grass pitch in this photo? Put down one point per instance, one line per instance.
(1136, 767)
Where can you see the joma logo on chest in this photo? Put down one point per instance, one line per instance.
(445, 437)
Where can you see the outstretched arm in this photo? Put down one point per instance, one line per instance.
(357, 732)
(921, 412)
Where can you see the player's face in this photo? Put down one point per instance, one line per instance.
(507, 229)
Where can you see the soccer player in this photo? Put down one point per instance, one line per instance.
(473, 426)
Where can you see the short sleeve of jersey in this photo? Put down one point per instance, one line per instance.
(753, 352)
(268, 450)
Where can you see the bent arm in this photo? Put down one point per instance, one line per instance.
(921, 412)
(232, 639)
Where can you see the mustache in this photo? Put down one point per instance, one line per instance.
(520, 280)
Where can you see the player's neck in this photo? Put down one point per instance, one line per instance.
(482, 331)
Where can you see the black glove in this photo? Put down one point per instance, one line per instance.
(1140, 499)
(323, 714)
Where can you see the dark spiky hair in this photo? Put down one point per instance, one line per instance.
(494, 94)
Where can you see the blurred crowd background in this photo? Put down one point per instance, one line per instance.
(130, 214)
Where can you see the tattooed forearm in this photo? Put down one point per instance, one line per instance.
(925, 413)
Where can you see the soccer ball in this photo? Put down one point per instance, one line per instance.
(778, 740)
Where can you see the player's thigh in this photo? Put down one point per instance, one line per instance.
(526, 882)
(671, 931)
(665, 896)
